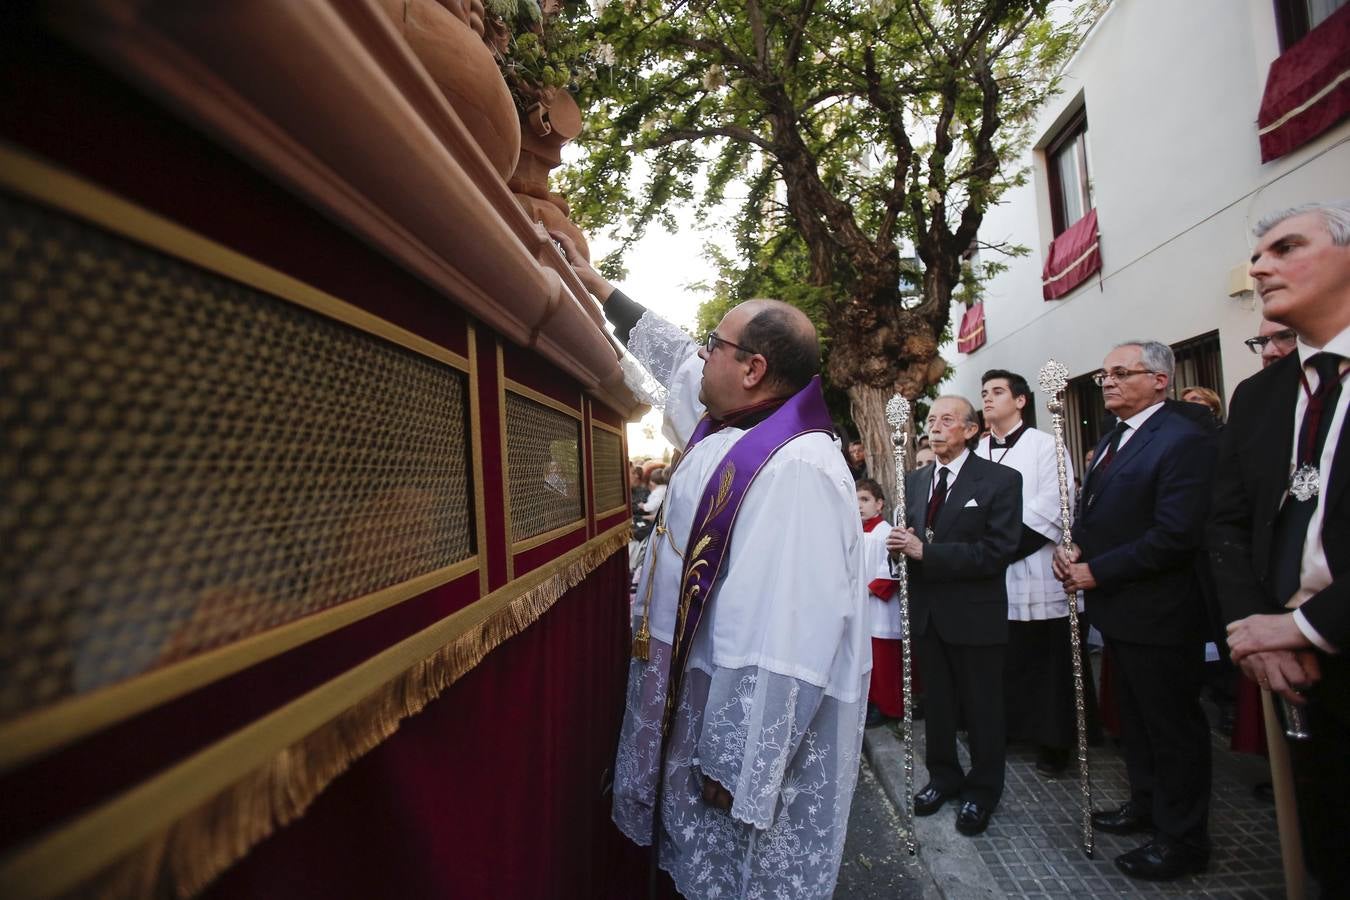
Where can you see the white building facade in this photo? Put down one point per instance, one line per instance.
(1156, 130)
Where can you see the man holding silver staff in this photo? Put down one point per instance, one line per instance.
(1139, 529)
(965, 514)
(1279, 533)
(1038, 688)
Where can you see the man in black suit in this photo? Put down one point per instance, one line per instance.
(1139, 532)
(966, 519)
(1280, 531)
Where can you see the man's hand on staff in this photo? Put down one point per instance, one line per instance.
(906, 542)
(1283, 672)
(1075, 575)
(715, 795)
(1255, 633)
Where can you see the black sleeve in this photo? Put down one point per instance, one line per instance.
(623, 313)
(1030, 541)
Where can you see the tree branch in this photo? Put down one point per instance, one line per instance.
(734, 132)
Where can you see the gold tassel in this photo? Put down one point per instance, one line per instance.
(642, 642)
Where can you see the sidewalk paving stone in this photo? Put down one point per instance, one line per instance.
(1033, 845)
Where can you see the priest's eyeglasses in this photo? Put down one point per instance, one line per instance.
(1283, 339)
(713, 339)
(1118, 375)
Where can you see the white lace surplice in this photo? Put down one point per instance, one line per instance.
(774, 699)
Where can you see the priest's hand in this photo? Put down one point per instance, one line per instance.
(1283, 672)
(1255, 633)
(594, 281)
(906, 542)
(715, 795)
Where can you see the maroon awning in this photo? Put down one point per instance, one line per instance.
(970, 337)
(1307, 89)
(1072, 257)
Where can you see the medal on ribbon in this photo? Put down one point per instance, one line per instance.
(1305, 483)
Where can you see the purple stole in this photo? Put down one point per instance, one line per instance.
(723, 495)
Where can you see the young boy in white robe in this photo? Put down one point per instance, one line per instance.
(885, 697)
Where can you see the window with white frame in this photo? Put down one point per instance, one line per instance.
(1070, 174)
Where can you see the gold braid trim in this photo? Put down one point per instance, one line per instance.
(204, 839)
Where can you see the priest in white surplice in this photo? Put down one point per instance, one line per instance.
(763, 748)
(1038, 687)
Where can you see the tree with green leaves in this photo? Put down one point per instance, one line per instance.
(849, 128)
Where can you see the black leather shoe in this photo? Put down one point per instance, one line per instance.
(973, 818)
(1162, 860)
(929, 800)
(1052, 761)
(874, 716)
(1126, 819)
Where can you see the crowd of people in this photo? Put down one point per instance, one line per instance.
(767, 620)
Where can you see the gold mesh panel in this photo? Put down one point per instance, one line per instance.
(611, 474)
(543, 462)
(187, 461)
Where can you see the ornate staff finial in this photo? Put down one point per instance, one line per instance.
(897, 412)
(1054, 377)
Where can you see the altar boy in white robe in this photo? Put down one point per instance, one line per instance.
(766, 677)
(1038, 687)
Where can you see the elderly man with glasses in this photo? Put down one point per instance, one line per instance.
(1139, 533)
(748, 685)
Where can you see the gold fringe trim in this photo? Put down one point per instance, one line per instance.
(197, 848)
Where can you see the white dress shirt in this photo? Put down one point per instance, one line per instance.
(1315, 574)
(953, 469)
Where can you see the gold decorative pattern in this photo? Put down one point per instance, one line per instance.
(188, 462)
(543, 460)
(609, 474)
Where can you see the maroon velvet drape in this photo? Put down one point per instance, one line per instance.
(1072, 257)
(499, 788)
(970, 336)
(1307, 91)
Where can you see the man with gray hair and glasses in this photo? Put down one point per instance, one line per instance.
(1279, 534)
(1139, 532)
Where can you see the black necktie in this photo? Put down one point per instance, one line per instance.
(1291, 525)
(939, 497)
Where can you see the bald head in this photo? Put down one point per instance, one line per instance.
(785, 337)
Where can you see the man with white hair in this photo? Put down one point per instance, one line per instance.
(1279, 534)
(1139, 532)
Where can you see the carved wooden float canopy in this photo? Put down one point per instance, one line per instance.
(367, 109)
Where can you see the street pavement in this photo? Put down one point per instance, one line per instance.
(1033, 846)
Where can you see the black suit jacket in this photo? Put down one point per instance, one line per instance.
(1141, 527)
(1248, 490)
(960, 583)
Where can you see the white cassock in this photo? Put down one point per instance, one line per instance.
(883, 615)
(774, 697)
(1033, 591)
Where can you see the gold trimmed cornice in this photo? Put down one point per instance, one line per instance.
(328, 99)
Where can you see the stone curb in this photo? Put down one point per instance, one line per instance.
(951, 861)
